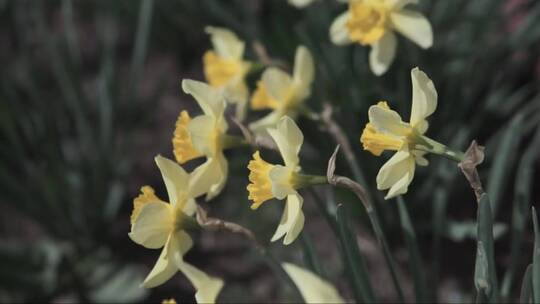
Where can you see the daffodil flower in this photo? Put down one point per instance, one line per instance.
(204, 135)
(269, 181)
(282, 93)
(312, 288)
(386, 131)
(224, 67)
(157, 224)
(373, 23)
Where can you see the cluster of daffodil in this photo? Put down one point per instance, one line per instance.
(158, 224)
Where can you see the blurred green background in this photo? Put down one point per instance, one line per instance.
(90, 91)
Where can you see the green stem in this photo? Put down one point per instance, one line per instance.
(304, 180)
(431, 146)
(231, 141)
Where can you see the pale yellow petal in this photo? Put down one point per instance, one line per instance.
(295, 230)
(203, 132)
(300, 3)
(382, 53)
(237, 92)
(280, 178)
(162, 271)
(190, 207)
(225, 42)
(414, 26)
(207, 287)
(424, 97)
(269, 121)
(153, 225)
(211, 100)
(289, 139)
(175, 178)
(312, 288)
(304, 68)
(339, 34)
(387, 121)
(396, 174)
(291, 214)
(399, 4)
(210, 177)
(277, 83)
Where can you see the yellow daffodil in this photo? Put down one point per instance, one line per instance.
(386, 131)
(168, 301)
(269, 181)
(373, 22)
(282, 93)
(204, 135)
(156, 224)
(312, 288)
(224, 67)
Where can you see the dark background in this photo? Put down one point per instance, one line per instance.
(90, 91)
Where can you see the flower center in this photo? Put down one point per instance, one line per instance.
(376, 142)
(219, 71)
(182, 144)
(147, 196)
(262, 100)
(367, 22)
(260, 187)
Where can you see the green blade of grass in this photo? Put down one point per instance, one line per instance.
(485, 276)
(415, 259)
(526, 286)
(503, 161)
(520, 212)
(354, 260)
(536, 260)
(310, 256)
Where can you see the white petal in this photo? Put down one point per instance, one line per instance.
(387, 121)
(399, 4)
(175, 178)
(277, 83)
(167, 265)
(414, 26)
(153, 225)
(291, 215)
(280, 179)
(162, 271)
(289, 139)
(211, 100)
(269, 121)
(295, 230)
(304, 68)
(190, 207)
(312, 287)
(396, 174)
(339, 34)
(207, 287)
(210, 177)
(382, 53)
(424, 97)
(202, 130)
(300, 3)
(237, 92)
(393, 170)
(226, 43)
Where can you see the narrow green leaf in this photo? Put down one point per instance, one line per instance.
(141, 44)
(485, 276)
(503, 161)
(520, 210)
(526, 286)
(536, 259)
(310, 255)
(354, 260)
(415, 259)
